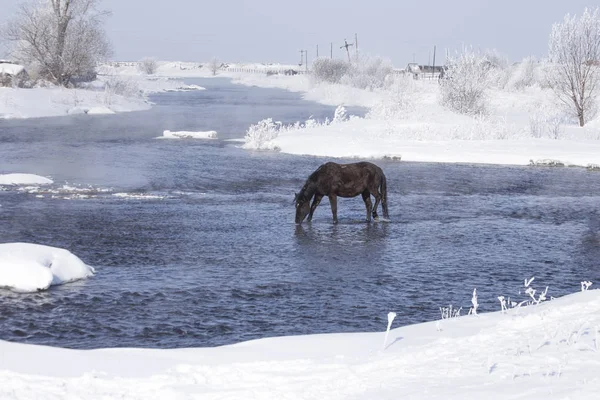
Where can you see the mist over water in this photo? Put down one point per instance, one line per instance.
(194, 242)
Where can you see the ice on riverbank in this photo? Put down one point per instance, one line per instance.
(26, 267)
(188, 135)
(24, 179)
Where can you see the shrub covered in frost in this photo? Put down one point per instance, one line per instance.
(464, 87)
(329, 70)
(120, 87)
(259, 135)
(524, 74)
(340, 114)
(369, 73)
(148, 66)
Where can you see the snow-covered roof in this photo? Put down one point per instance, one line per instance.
(11, 69)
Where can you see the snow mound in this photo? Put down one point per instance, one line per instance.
(186, 88)
(24, 179)
(26, 267)
(189, 135)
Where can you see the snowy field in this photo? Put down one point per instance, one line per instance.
(547, 351)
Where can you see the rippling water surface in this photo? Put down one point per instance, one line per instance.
(194, 242)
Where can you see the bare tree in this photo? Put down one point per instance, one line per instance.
(214, 65)
(574, 51)
(148, 66)
(63, 38)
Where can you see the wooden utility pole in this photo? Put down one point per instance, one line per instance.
(331, 51)
(433, 72)
(356, 45)
(301, 58)
(317, 51)
(306, 59)
(347, 46)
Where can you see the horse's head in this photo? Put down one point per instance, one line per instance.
(302, 207)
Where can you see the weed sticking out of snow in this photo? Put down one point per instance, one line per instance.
(391, 316)
(546, 163)
(473, 310)
(450, 312)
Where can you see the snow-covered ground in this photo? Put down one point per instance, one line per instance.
(548, 351)
(408, 122)
(26, 267)
(114, 92)
(55, 101)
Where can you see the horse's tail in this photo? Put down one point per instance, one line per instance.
(384, 204)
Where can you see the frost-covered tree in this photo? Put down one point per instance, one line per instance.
(464, 86)
(148, 66)
(61, 38)
(214, 65)
(574, 51)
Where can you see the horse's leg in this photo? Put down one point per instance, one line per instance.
(377, 200)
(333, 202)
(367, 199)
(377, 196)
(315, 203)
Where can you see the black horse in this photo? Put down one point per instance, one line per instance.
(344, 180)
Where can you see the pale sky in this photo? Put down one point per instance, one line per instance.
(276, 30)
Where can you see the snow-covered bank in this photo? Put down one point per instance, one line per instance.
(24, 179)
(363, 138)
(408, 121)
(548, 351)
(28, 267)
(55, 101)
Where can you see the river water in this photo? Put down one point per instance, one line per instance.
(194, 242)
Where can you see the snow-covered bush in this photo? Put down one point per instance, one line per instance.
(148, 66)
(464, 87)
(329, 70)
(547, 122)
(340, 114)
(399, 100)
(524, 74)
(259, 135)
(369, 73)
(497, 65)
(120, 87)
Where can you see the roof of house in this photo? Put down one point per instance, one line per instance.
(11, 69)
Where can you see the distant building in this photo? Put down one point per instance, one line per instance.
(12, 74)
